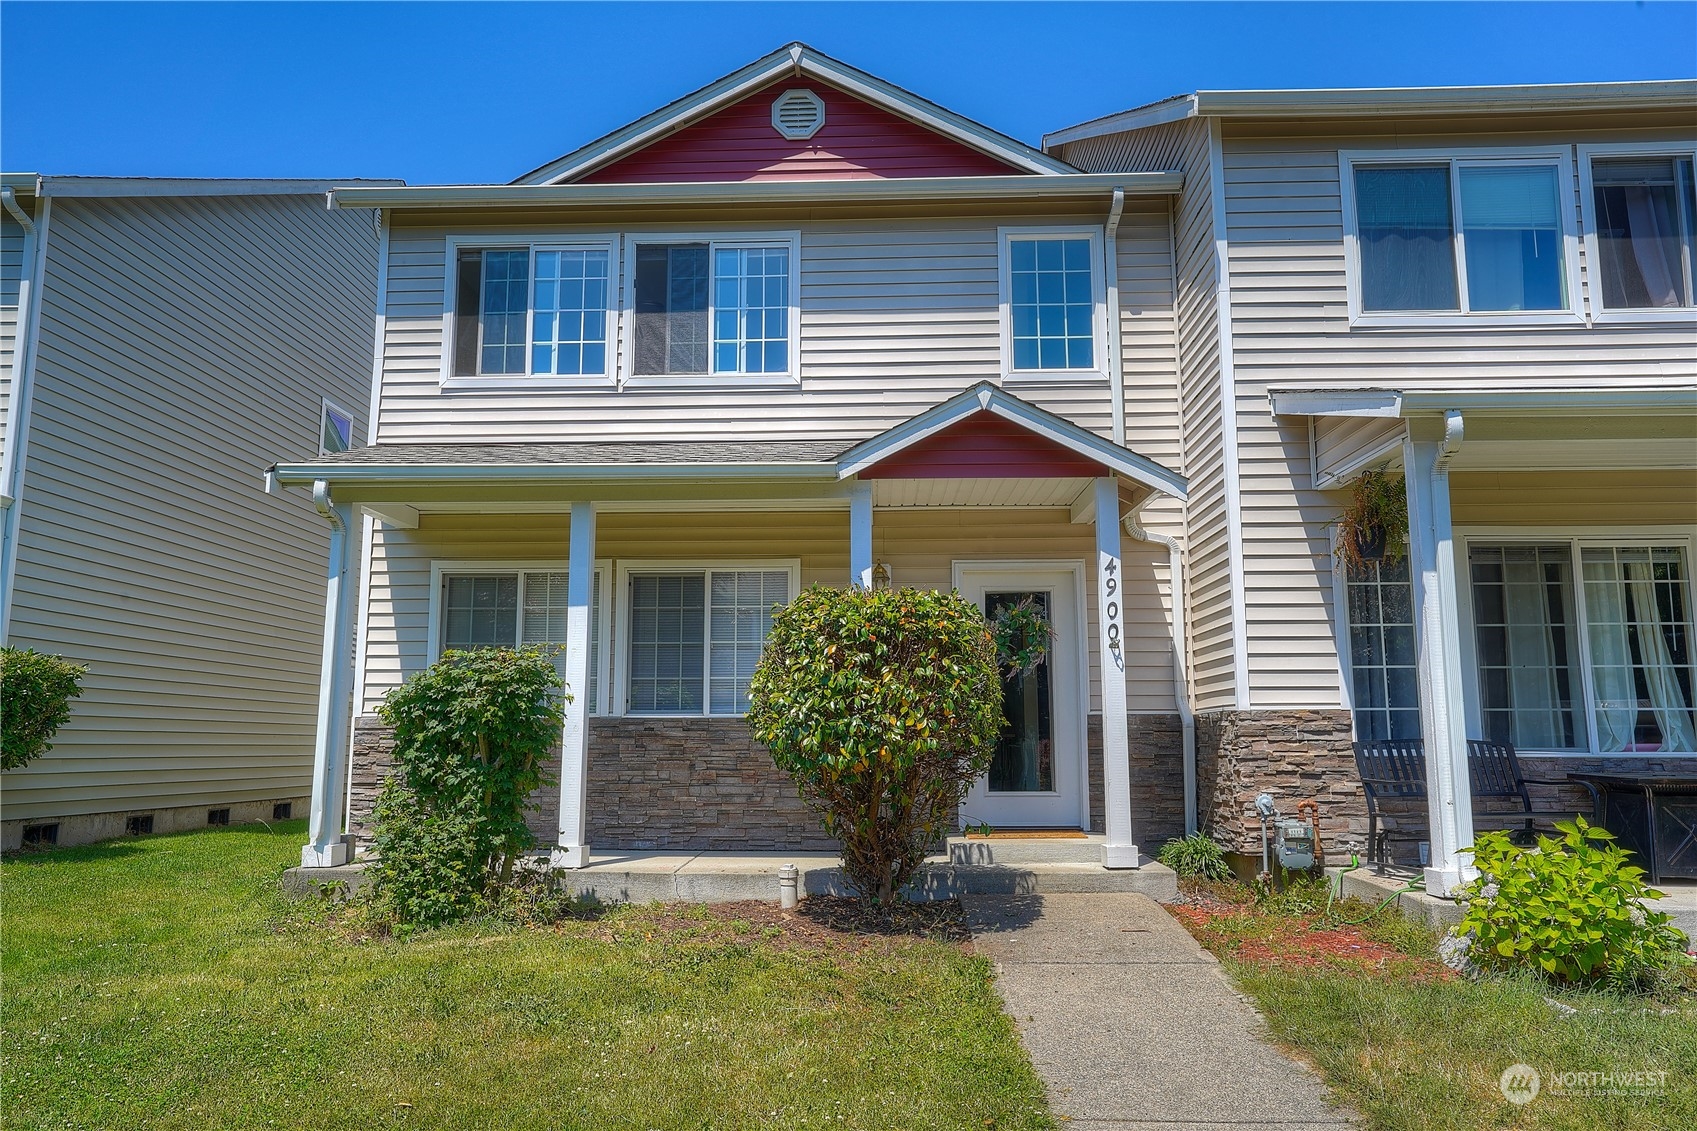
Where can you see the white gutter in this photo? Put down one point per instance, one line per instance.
(20, 394)
(1060, 186)
(1181, 680)
(1391, 404)
(1116, 370)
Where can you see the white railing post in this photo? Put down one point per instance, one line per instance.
(1120, 851)
(860, 535)
(1443, 716)
(326, 846)
(572, 851)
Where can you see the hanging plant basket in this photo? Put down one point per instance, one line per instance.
(1023, 636)
(1374, 525)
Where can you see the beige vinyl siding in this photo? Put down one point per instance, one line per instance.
(185, 345)
(919, 544)
(1183, 146)
(1559, 500)
(895, 316)
(1290, 327)
(11, 277)
(1343, 442)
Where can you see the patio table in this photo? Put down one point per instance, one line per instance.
(1654, 813)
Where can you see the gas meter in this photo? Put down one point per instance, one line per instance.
(1295, 845)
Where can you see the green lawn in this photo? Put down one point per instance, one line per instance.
(161, 983)
(1414, 1049)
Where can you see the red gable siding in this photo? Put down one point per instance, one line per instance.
(986, 446)
(858, 140)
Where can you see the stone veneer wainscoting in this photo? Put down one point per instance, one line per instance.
(1293, 755)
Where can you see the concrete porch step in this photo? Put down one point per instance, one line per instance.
(724, 877)
(1045, 850)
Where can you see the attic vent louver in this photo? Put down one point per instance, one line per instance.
(798, 114)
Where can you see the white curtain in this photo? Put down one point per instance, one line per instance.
(1649, 247)
(1667, 699)
(1611, 655)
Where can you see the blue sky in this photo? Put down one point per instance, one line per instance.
(444, 92)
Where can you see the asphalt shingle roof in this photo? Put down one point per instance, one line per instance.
(600, 453)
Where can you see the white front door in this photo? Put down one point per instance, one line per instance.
(1036, 779)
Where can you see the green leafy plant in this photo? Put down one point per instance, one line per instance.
(470, 736)
(883, 706)
(1375, 522)
(36, 702)
(1572, 910)
(1023, 635)
(1195, 855)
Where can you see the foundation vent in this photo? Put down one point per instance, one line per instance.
(217, 816)
(282, 810)
(139, 824)
(798, 114)
(41, 836)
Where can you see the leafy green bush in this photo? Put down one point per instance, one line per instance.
(1195, 855)
(38, 690)
(884, 706)
(470, 735)
(1571, 910)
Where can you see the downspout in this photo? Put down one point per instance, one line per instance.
(1181, 680)
(1111, 271)
(18, 397)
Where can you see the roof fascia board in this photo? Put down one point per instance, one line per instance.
(22, 184)
(300, 474)
(1393, 404)
(1670, 94)
(801, 60)
(984, 397)
(758, 192)
(668, 119)
(1174, 109)
(91, 187)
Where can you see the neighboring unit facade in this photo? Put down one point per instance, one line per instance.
(162, 342)
(804, 327)
(1490, 292)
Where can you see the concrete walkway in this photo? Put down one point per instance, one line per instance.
(1131, 1024)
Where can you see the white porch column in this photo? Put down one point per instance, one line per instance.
(326, 847)
(1443, 718)
(860, 535)
(572, 851)
(1120, 850)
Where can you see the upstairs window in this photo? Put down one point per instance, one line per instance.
(1459, 236)
(532, 311)
(702, 308)
(1643, 213)
(1051, 286)
(336, 430)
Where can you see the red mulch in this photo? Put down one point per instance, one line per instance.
(1244, 934)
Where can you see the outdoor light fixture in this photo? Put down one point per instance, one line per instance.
(881, 575)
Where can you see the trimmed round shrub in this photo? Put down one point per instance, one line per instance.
(35, 703)
(883, 706)
(470, 735)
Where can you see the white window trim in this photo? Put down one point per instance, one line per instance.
(1559, 156)
(1098, 294)
(533, 242)
(626, 569)
(327, 407)
(1588, 229)
(628, 378)
(1684, 537)
(443, 568)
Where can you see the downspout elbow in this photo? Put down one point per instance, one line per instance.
(1181, 679)
(327, 506)
(10, 200)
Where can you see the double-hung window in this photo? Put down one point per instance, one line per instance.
(712, 307)
(533, 310)
(696, 634)
(1643, 211)
(1454, 235)
(1052, 295)
(494, 607)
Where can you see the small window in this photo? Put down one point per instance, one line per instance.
(695, 638)
(336, 430)
(1472, 235)
(515, 610)
(705, 308)
(532, 311)
(1644, 211)
(1383, 678)
(1051, 290)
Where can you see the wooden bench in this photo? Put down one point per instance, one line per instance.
(1396, 771)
